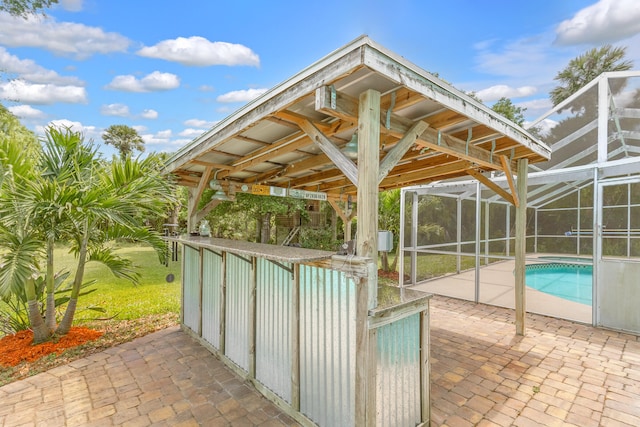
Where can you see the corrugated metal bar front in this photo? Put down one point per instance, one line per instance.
(211, 284)
(327, 346)
(191, 289)
(238, 271)
(273, 327)
(398, 398)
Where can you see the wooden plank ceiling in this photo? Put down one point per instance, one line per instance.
(276, 139)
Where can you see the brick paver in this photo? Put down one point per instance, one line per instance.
(165, 378)
(560, 374)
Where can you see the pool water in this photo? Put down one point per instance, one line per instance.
(568, 281)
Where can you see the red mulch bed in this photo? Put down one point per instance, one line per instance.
(18, 347)
(393, 275)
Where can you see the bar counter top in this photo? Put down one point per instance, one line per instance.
(262, 250)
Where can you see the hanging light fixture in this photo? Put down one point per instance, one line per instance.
(214, 184)
(351, 149)
(219, 194)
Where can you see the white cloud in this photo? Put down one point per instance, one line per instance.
(544, 127)
(603, 22)
(149, 114)
(191, 133)
(180, 141)
(159, 138)
(496, 92)
(89, 132)
(71, 5)
(206, 88)
(26, 112)
(27, 69)
(518, 58)
(61, 38)
(536, 107)
(198, 51)
(117, 110)
(543, 104)
(140, 128)
(28, 93)
(198, 123)
(240, 95)
(153, 82)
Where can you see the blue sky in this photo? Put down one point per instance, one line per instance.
(173, 69)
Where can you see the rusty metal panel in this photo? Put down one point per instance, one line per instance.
(191, 288)
(273, 326)
(211, 289)
(327, 346)
(398, 399)
(239, 276)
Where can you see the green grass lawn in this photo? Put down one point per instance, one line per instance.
(121, 298)
(132, 310)
(435, 265)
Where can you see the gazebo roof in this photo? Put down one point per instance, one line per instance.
(290, 136)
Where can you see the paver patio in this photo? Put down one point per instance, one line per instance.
(560, 374)
(165, 378)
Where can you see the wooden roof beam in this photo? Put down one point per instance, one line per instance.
(492, 185)
(197, 194)
(509, 176)
(345, 107)
(286, 145)
(343, 163)
(399, 150)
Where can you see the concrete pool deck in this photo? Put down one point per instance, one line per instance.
(497, 287)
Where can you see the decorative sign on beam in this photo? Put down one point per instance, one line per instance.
(309, 195)
(266, 190)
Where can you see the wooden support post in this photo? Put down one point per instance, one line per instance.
(367, 246)
(368, 165)
(521, 246)
(346, 215)
(194, 197)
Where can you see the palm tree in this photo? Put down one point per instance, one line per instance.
(586, 67)
(69, 194)
(19, 236)
(113, 204)
(124, 138)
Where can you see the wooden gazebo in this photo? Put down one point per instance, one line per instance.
(411, 128)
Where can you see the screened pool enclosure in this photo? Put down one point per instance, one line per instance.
(583, 208)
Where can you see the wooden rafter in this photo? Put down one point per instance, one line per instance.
(492, 185)
(509, 176)
(347, 167)
(345, 108)
(399, 150)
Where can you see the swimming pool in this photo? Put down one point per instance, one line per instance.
(572, 282)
